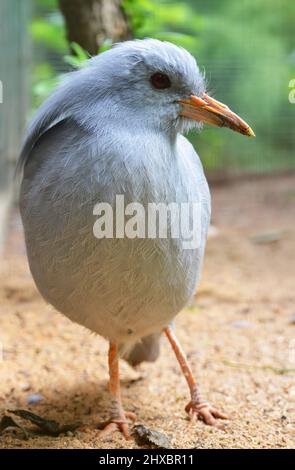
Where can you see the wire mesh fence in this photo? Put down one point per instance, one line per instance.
(14, 67)
(14, 72)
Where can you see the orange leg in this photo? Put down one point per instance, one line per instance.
(196, 407)
(118, 416)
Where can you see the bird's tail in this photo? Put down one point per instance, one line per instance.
(147, 349)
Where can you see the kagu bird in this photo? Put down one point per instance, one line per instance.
(115, 128)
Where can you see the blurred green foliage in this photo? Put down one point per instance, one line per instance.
(247, 49)
(166, 20)
(169, 21)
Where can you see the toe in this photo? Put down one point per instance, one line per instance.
(108, 429)
(125, 430)
(218, 414)
(115, 426)
(130, 415)
(119, 424)
(207, 417)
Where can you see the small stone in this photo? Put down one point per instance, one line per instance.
(292, 319)
(25, 387)
(25, 373)
(269, 237)
(245, 310)
(213, 231)
(240, 324)
(34, 398)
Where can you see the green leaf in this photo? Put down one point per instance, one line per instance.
(80, 53)
(107, 44)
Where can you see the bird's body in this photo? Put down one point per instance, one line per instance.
(123, 289)
(115, 129)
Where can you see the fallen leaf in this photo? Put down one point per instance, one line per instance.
(48, 426)
(8, 422)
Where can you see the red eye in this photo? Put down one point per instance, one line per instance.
(160, 81)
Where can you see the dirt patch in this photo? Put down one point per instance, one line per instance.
(239, 336)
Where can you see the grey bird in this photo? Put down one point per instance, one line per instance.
(115, 127)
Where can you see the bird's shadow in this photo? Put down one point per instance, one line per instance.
(87, 403)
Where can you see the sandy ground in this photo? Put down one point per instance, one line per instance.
(239, 336)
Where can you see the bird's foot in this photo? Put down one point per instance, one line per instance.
(120, 424)
(206, 412)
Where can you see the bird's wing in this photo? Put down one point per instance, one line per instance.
(63, 144)
(39, 127)
(57, 108)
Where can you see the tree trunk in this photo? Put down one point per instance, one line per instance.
(90, 22)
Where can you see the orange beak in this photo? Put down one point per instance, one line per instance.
(211, 111)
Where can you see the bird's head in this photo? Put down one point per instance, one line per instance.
(158, 84)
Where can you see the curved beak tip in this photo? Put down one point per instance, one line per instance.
(251, 133)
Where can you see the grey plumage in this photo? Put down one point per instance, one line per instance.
(104, 132)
